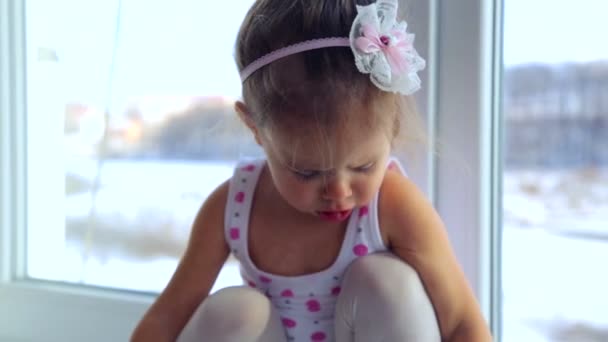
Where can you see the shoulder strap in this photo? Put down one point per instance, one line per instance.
(240, 195)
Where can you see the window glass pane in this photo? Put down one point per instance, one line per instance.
(555, 231)
(130, 127)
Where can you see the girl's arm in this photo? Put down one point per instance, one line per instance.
(417, 235)
(204, 256)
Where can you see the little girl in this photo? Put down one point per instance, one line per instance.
(334, 242)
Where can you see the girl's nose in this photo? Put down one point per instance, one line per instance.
(337, 190)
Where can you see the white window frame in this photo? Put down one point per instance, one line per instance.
(460, 39)
(468, 181)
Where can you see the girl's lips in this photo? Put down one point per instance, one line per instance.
(335, 215)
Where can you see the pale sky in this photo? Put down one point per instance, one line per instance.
(555, 31)
(185, 47)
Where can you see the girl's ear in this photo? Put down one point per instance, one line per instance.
(245, 115)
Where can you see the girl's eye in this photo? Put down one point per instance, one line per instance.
(305, 175)
(365, 168)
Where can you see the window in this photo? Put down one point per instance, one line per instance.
(555, 189)
(130, 127)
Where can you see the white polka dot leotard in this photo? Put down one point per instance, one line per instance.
(305, 303)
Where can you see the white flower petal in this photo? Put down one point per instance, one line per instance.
(381, 73)
(387, 12)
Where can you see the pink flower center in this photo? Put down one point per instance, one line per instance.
(385, 40)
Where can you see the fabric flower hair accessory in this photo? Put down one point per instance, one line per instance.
(383, 48)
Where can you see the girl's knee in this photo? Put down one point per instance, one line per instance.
(233, 311)
(383, 288)
(386, 277)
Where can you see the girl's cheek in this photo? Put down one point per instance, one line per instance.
(295, 187)
(372, 185)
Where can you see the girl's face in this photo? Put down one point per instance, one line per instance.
(327, 176)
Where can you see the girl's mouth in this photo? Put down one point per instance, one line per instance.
(335, 216)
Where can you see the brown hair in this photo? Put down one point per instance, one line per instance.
(316, 86)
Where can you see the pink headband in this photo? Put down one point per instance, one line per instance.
(381, 47)
(292, 50)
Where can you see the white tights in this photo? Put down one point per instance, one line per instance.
(382, 300)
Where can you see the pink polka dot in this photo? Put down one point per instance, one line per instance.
(313, 305)
(287, 293)
(318, 336)
(392, 166)
(235, 233)
(290, 323)
(363, 211)
(240, 197)
(360, 250)
(336, 290)
(265, 279)
(252, 284)
(248, 168)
